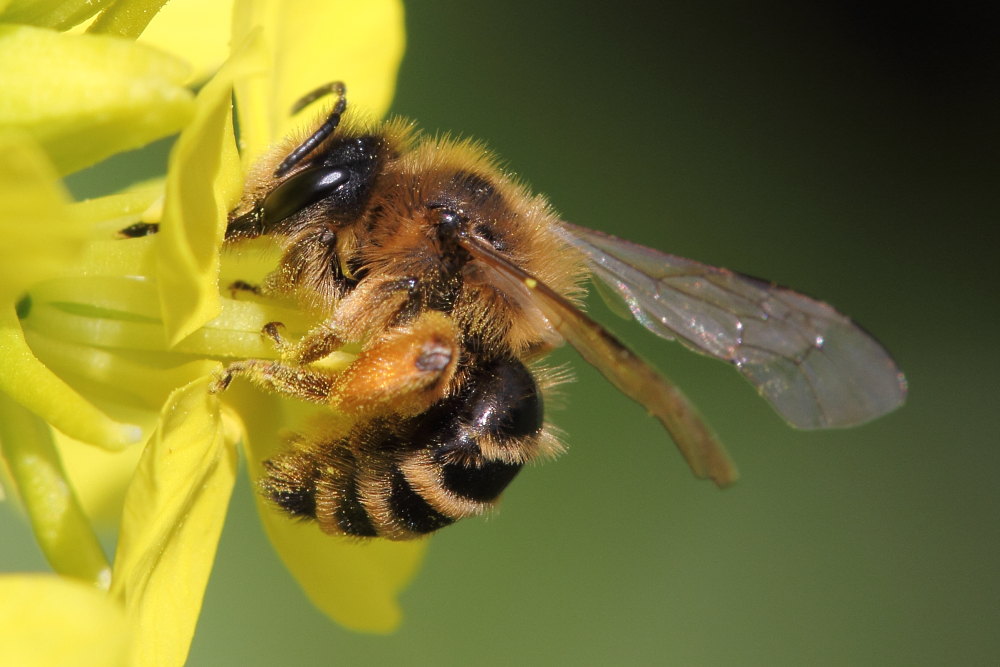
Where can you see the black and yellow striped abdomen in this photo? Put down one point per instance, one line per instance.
(405, 477)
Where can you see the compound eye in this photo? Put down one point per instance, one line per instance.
(301, 191)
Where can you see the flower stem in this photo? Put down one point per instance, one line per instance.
(61, 528)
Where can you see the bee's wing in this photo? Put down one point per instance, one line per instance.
(815, 366)
(632, 376)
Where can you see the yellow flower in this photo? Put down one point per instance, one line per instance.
(51, 620)
(114, 342)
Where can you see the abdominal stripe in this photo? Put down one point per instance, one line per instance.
(410, 510)
(350, 514)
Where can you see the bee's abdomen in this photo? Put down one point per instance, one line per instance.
(409, 478)
(349, 514)
(481, 484)
(320, 482)
(467, 448)
(409, 512)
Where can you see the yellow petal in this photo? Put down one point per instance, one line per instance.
(173, 516)
(100, 478)
(39, 234)
(58, 14)
(48, 620)
(203, 184)
(357, 584)
(105, 254)
(61, 528)
(311, 44)
(126, 18)
(111, 213)
(194, 30)
(85, 97)
(29, 382)
(141, 381)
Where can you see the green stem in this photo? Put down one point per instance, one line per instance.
(61, 528)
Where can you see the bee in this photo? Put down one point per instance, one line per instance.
(456, 281)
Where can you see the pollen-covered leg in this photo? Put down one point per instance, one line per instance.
(302, 382)
(316, 344)
(402, 373)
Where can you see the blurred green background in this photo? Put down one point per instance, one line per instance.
(840, 150)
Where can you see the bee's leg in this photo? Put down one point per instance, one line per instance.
(402, 373)
(316, 344)
(291, 375)
(139, 229)
(241, 287)
(389, 301)
(302, 382)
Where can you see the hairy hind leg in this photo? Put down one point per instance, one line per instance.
(403, 372)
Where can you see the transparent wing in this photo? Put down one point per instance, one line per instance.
(814, 365)
(632, 376)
